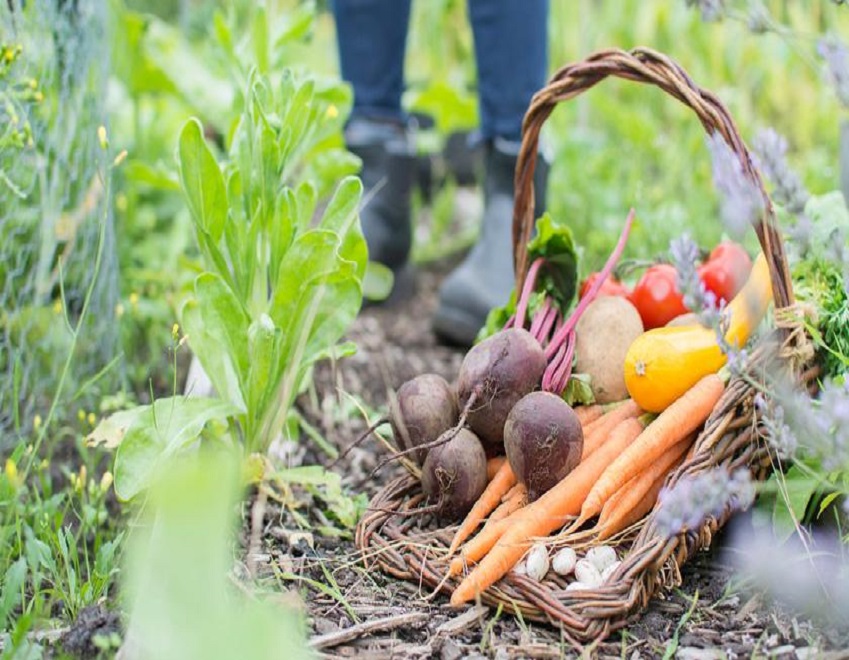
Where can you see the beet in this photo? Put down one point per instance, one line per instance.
(498, 372)
(424, 408)
(544, 441)
(454, 474)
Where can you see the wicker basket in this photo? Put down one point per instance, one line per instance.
(414, 548)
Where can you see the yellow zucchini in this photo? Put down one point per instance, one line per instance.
(663, 363)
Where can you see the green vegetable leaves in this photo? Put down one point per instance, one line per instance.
(819, 278)
(159, 432)
(555, 244)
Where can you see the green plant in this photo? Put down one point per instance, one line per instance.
(179, 561)
(280, 282)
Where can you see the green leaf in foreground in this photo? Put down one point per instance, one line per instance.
(159, 433)
(181, 602)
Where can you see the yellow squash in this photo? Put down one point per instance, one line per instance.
(664, 363)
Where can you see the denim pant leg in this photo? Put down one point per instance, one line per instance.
(511, 49)
(372, 39)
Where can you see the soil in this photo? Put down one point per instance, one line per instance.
(368, 614)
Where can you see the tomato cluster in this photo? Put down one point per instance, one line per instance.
(656, 294)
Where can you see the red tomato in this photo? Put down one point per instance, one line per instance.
(656, 296)
(726, 270)
(610, 287)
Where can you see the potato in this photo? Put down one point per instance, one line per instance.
(684, 320)
(604, 333)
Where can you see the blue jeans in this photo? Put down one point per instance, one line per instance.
(511, 52)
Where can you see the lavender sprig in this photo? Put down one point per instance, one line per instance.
(685, 256)
(693, 499)
(771, 155)
(836, 56)
(776, 429)
(712, 10)
(741, 202)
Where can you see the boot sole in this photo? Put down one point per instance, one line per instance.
(456, 327)
(403, 288)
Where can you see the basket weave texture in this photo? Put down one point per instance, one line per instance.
(414, 548)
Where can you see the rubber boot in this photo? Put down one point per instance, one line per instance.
(485, 278)
(388, 175)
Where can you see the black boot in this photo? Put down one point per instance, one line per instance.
(485, 278)
(388, 173)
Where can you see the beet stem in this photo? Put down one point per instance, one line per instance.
(527, 290)
(564, 370)
(371, 429)
(447, 436)
(548, 374)
(563, 333)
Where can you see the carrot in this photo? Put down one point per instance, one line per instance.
(478, 546)
(675, 423)
(627, 517)
(493, 465)
(516, 498)
(620, 510)
(498, 486)
(597, 432)
(543, 516)
(588, 414)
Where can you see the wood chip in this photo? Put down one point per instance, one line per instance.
(366, 628)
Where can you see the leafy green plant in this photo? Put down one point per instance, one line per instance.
(280, 282)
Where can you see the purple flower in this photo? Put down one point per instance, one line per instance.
(776, 430)
(771, 157)
(712, 10)
(741, 202)
(695, 498)
(684, 254)
(836, 56)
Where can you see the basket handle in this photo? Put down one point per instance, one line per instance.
(645, 66)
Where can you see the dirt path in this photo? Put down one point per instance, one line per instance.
(367, 614)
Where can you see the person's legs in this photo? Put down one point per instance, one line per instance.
(511, 52)
(371, 37)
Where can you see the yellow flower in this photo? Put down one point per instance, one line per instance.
(92, 419)
(175, 331)
(36, 422)
(105, 481)
(57, 307)
(101, 136)
(120, 158)
(83, 476)
(134, 300)
(38, 96)
(12, 472)
(332, 111)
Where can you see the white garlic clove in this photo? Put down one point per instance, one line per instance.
(587, 573)
(537, 562)
(601, 556)
(564, 561)
(520, 569)
(608, 572)
(577, 586)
